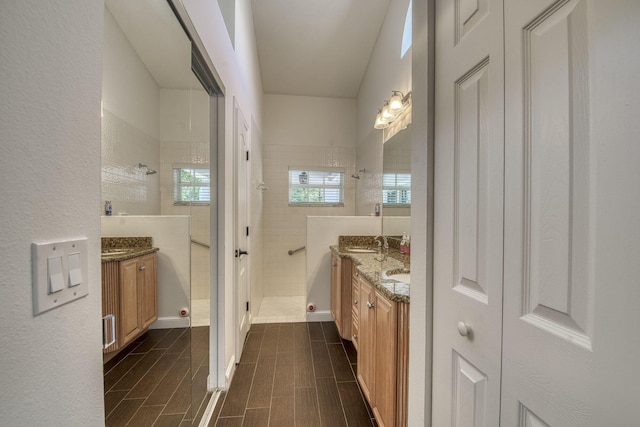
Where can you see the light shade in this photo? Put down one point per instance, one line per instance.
(395, 103)
(380, 123)
(387, 115)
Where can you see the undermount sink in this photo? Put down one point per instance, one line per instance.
(115, 253)
(401, 277)
(362, 250)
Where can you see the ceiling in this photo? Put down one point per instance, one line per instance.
(316, 48)
(304, 47)
(158, 39)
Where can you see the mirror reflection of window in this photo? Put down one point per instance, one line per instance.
(191, 185)
(396, 189)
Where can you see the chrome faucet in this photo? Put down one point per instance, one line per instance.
(383, 246)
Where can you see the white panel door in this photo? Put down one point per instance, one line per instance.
(241, 196)
(468, 226)
(572, 203)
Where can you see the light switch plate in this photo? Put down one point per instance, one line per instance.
(58, 264)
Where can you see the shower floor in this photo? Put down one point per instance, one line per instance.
(282, 310)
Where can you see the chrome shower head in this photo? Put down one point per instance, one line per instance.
(357, 174)
(149, 170)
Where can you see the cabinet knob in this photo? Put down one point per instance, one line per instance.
(355, 302)
(142, 267)
(370, 304)
(355, 337)
(464, 329)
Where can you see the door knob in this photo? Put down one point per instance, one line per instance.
(464, 329)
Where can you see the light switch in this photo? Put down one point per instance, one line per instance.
(60, 273)
(75, 271)
(54, 274)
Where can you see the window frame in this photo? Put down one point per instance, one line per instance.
(315, 169)
(397, 188)
(191, 168)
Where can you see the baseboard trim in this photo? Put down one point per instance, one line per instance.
(319, 316)
(170, 322)
(228, 373)
(208, 413)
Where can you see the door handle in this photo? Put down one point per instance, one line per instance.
(241, 252)
(464, 329)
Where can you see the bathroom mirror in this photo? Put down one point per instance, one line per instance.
(396, 184)
(156, 120)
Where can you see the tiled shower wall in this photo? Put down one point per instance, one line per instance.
(184, 129)
(130, 105)
(285, 227)
(307, 132)
(127, 186)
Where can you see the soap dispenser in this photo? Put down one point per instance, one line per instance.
(403, 244)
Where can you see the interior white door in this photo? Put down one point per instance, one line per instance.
(241, 298)
(468, 218)
(572, 233)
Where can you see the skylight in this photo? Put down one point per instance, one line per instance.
(406, 34)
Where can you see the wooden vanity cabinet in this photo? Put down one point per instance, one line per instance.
(383, 355)
(366, 341)
(341, 271)
(355, 308)
(129, 291)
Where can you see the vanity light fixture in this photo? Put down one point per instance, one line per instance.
(392, 109)
(380, 123)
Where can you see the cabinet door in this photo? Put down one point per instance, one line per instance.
(129, 301)
(355, 307)
(147, 290)
(366, 341)
(336, 268)
(386, 340)
(345, 298)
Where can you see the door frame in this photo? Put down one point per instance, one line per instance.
(238, 160)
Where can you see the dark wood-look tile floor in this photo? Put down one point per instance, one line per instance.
(294, 374)
(159, 380)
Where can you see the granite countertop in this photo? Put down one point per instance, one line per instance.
(116, 249)
(374, 271)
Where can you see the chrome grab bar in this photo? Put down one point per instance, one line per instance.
(200, 243)
(293, 251)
